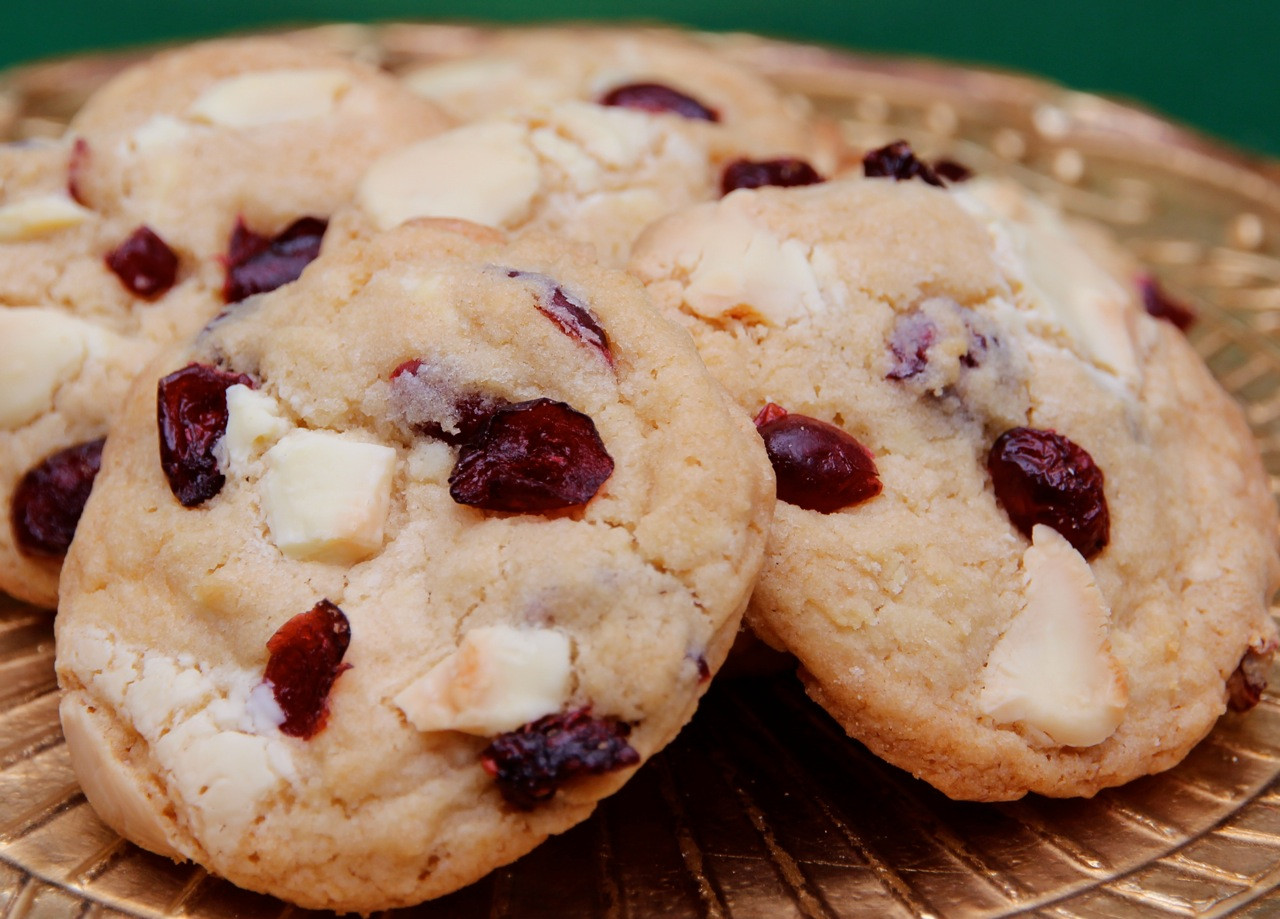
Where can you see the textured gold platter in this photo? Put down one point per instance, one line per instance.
(762, 807)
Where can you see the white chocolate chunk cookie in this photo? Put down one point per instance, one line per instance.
(1024, 541)
(432, 548)
(200, 177)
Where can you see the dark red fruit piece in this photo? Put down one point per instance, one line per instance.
(76, 165)
(818, 466)
(473, 409)
(1246, 683)
(655, 97)
(191, 407)
(50, 498)
(897, 161)
(257, 264)
(306, 658)
(1042, 477)
(784, 173)
(531, 762)
(952, 171)
(1162, 306)
(704, 669)
(771, 412)
(144, 263)
(532, 456)
(571, 316)
(912, 337)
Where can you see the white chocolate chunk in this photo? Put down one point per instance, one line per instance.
(326, 497)
(40, 215)
(1053, 669)
(485, 173)
(40, 349)
(108, 785)
(254, 423)
(499, 678)
(269, 97)
(160, 131)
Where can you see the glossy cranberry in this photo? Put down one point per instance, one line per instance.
(704, 669)
(912, 336)
(897, 161)
(952, 171)
(571, 316)
(533, 761)
(145, 264)
(784, 173)
(818, 466)
(656, 97)
(412, 380)
(771, 412)
(191, 408)
(50, 497)
(306, 659)
(1042, 477)
(532, 456)
(1246, 683)
(257, 264)
(1159, 304)
(77, 164)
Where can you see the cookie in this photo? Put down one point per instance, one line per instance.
(1024, 541)
(197, 178)
(460, 534)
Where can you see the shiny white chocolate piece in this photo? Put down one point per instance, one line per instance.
(40, 349)
(499, 678)
(1053, 669)
(270, 97)
(39, 215)
(326, 497)
(254, 423)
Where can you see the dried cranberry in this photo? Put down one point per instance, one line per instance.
(952, 171)
(531, 762)
(571, 316)
(257, 264)
(144, 263)
(912, 336)
(704, 669)
(897, 161)
(785, 173)
(771, 412)
(1162, 306)
(471, 410)
(1042, 477)
(50, 498)
(533, 456)
(1249, 679)
(306, 658)
(818, 466)
(76, 166)
(655, 97)
(191, 407)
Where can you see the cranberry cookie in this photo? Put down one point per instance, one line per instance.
(1024, 541)
(400, 568)
(190, 181)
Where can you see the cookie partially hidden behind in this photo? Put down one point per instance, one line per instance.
(399, 569)
(1024, 542)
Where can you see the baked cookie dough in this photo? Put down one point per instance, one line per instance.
(191, 180)
(486, 477)
(1025, 542)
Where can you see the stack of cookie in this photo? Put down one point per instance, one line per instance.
(424, 443)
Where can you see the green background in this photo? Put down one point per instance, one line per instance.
(1213, 66)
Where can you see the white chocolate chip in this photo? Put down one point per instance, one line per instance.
(40, 215)
(1053, 669)
(158, 132)
(254, 423)
(485, 173)
(40, 349)
(269, 97)
(326, 497)
(499, 678)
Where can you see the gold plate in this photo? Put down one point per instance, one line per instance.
(762, 807)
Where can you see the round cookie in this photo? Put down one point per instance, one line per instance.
(169, 197)
(536, 515)
(1026, 542)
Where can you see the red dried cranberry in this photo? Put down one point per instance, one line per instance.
(144, 263)
(1162, 306)
(306, 658)
(533, 456)
(191, 407)
(531, 762)
(50, 498)
(472, 410)
(784, 173)
(818, 466)
(655, 97)
(771, 412)
(76, 166)
(704, 669)
(912, 336)
(257, 264)
(571, 316)
(1042, 477)
(897, 161)
(952, 171)
(1249, 679)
